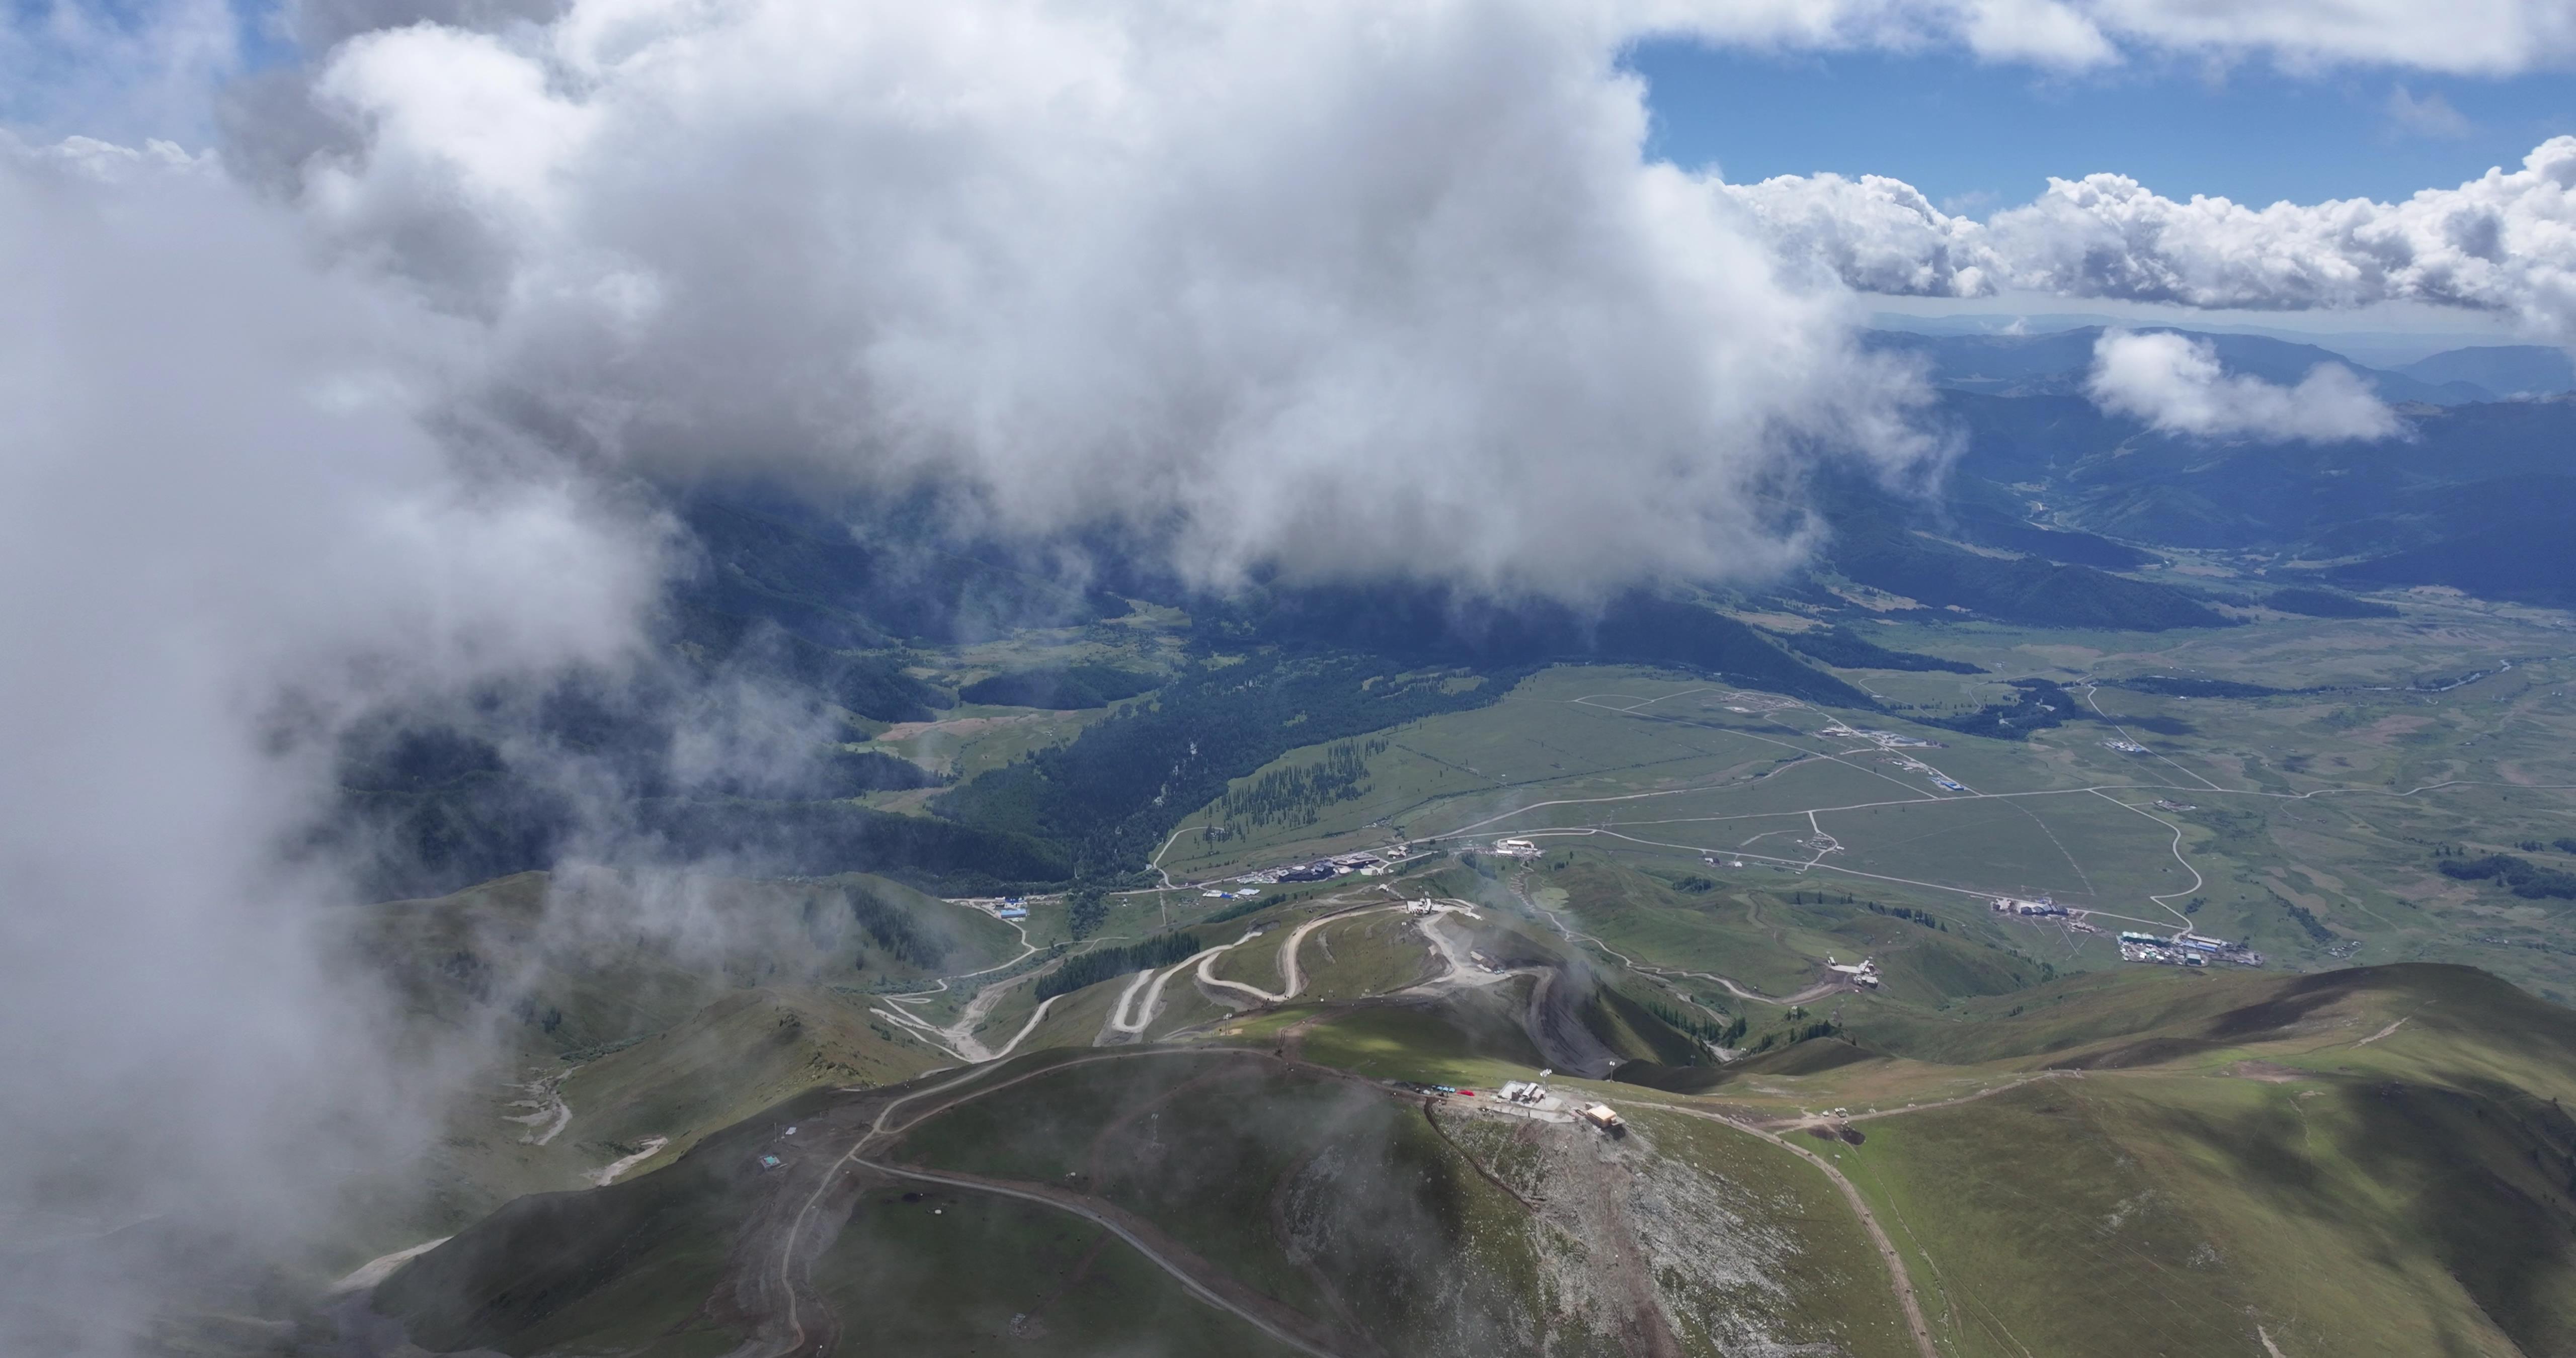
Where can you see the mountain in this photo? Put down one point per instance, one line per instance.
(2367, 1161)
(2058, 363)
(2504, 369)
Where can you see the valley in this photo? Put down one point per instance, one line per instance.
(2146, 948)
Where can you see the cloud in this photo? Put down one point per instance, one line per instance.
(1874, 234)
(1340, 288)
(1347, 291)
(118, 72)
(2174, 384)
(2431, 116)
(2489, 37)
(2486, 37)
(232, 534)
(2505, 242)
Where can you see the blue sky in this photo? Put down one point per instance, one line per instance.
(1976, 137)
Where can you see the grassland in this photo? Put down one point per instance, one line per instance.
(944, 1271)
(2368, 1161)
(2314, 815)
(2345, 1199)
(2074, 1155)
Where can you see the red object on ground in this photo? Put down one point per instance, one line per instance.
(1466, 1093)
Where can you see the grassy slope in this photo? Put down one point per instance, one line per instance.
(1326, 1195)
(740, 1054)
(2356, 1189)
(642, 1038)
(2242, 1151)
(955, 1272)
(615, 956)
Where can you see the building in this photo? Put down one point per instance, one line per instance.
(1515, 848)
(1862, 972)
(1601, 1116)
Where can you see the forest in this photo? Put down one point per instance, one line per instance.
(1110, 798)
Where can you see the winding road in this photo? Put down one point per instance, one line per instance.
(1898, 1279)
(804, 1326)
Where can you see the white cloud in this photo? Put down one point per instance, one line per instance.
(2491, 37)
(1873, 233)
(2465, 37)
(2431, 116)
(1351, 288)
(2175, 384)
(2505, 242)
(119, 72)
(230, 535)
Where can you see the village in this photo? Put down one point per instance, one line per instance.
(2182, 949)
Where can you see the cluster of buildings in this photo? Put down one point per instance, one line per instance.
(1515, 848)
(2184, 949)
(1532, 1098)
(1861, 973)
(2124, 746)
(1885, 740)
(2044, 908)
(1365, 864)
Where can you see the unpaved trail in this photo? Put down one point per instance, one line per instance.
(1732, 987)
(1555, 1025)
(805, 1327)
(1805, 1121)
(1290, 974)
(1463, 970)
(1036, 1017)
(957, 1039)
(1117, 1022)
(1215, 1288)
(1898, 1280)
(1550, 1017)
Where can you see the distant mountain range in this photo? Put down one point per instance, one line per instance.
(2057, 363)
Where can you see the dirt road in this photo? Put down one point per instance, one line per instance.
(1203, 1280)
(1898, 1280)
(791, 1318)
(1294, 979)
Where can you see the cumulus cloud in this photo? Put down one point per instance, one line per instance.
(230, 534)
(1339, 287)
(2174, 383)
(1348, 290)
(2504, 242)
